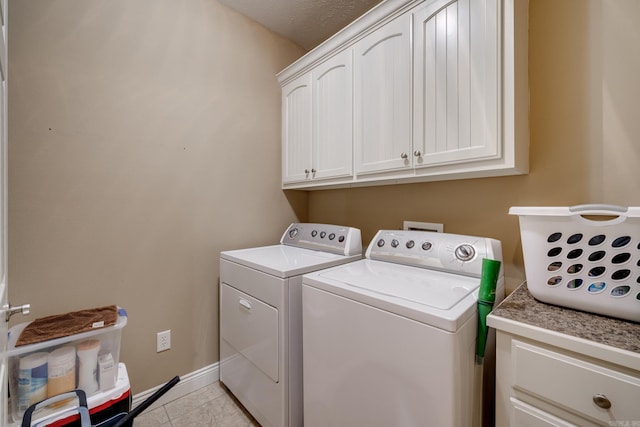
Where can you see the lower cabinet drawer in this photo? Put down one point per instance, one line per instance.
(529, 416)
(576, 385)
(251, 327)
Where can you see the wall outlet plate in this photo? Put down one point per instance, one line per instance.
(163, 341)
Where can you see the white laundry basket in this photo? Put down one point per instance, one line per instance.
(585, 257)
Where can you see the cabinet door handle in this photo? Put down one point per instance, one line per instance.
(602, 401)
(313, 171)
(417, 153)
(306, 171)
(404, 156)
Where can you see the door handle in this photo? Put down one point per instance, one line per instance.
(11, 310)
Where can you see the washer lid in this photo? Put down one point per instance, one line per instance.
(442, 300)
(427, 287)
(285, 261)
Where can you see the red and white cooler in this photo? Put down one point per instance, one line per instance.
(103, 406)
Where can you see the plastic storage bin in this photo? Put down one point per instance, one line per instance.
(585, 257)
(87, 360)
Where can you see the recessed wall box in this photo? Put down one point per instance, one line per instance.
(423, 226)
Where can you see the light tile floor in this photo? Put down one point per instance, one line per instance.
(210, 406)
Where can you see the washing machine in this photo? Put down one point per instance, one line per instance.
(261, 316)
(390, 340)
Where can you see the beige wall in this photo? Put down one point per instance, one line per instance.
(144, 139)
(584, 63)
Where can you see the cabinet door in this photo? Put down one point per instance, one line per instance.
(333, 117)
(456, 81)
(382, 69)
(296, 129)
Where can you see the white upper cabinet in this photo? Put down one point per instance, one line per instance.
(413, 90)
(456, 82)
(382, 125)
(317, 122)
(296, 129)
(332, 120)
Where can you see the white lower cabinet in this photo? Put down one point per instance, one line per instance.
(529, 416)
(543, 385)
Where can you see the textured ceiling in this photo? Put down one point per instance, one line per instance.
(306, 22)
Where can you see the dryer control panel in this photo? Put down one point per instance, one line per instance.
(324, 237)
(452, 253)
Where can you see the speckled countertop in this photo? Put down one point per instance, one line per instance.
(520, 306)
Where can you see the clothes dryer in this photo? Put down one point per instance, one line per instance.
(261, 316)
(390, 339)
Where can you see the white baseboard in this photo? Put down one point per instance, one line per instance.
(188, 383)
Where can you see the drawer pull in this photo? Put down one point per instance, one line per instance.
(246, 304)
(602, 401)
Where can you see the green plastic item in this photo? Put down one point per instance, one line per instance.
(486, 298)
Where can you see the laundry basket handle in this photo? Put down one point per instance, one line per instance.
(598, 209)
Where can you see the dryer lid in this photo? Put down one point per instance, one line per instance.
(285, 261)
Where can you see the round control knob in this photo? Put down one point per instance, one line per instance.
(323, 234)
(465, 252)
(314, 233)
(341, 239)
(602, 401)
(380, 243)
(410, 244)
(332, 236)
(426, 246)
(293, 232)
(394, 243)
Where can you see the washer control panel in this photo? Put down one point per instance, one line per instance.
(324, 237)
(452, 253)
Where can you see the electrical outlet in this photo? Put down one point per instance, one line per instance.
(163, 341)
